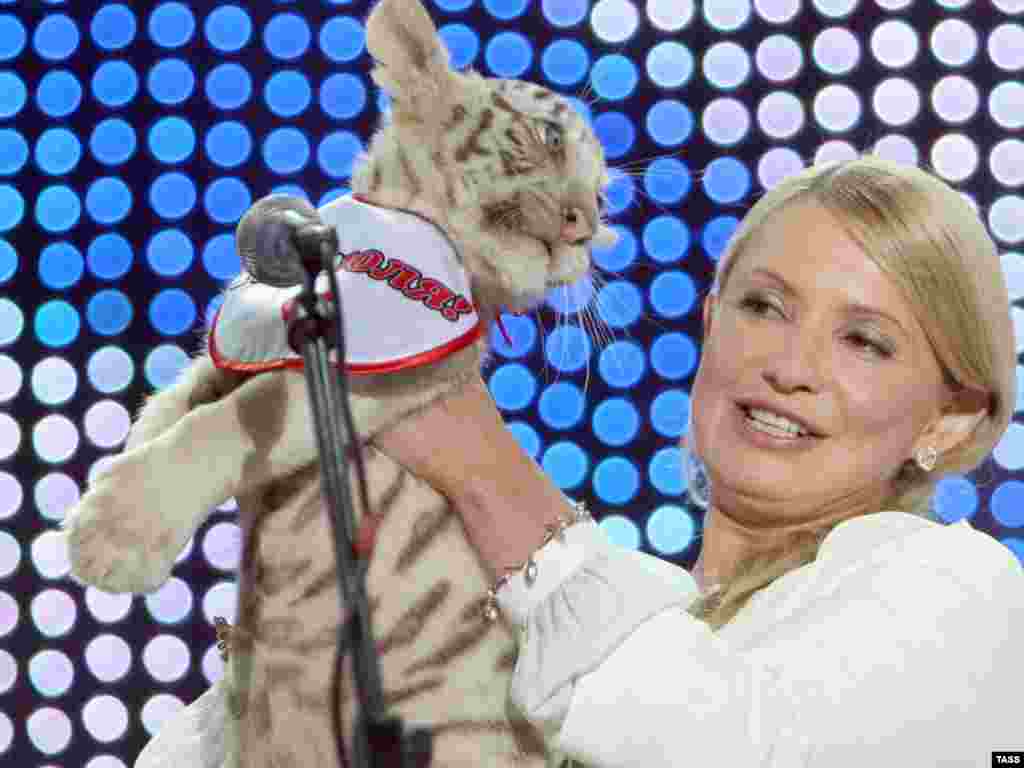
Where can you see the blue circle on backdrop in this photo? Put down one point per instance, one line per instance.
(58, 209)
(58, 151)
(619, 256)
(171, 25)
(453, 5)
(172, 140)
(670, 529)
(614, 77)
(110, 256)
(669, 123)
(670, 64)
(12, 322)
(619, 194)
(287, 36)
(616, 133)
(508, 54)
(60, 266)
(1007, 504)
(286, 150)
(13, 94)
(220, 258)
(564, 13)
(13, 151)
(113, 27)
(108, 200)
(670, 413)
(673, 294)
(666, 471)
(12, 37)
(228, 144)
(621, 531)
(56, 37)
(506, 10)
(561, 405)
(565, 62)
(462, 42)
(716, 234)
(171, 81)
(523, 332)
(568, 348)
(287, 93)
(110, 370)
(57, 323)
(513, 387)
(666, 239)
(172, 312)
(615, 421)
(115, 83)
(673, 356)
(170, 253)
(726, 180)
(343, 96)
(616, 480)
(109, 312)
(526, 436)
(172, 195)
(59, 93)
(955, 499)
(338, 152)
(667, 180)
(226, 200)
(228, 28)
(342, 39)
(12, 207)
(8, 261)
(572, 298)
(620, 303)
(163, 365)
(113, 141)
(566, 464)
(228, 86)
(622, 363)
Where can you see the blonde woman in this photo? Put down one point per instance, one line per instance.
(829, 620)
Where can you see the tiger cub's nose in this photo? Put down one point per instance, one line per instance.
(576, 227)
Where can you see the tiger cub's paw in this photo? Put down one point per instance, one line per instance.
(116, 542)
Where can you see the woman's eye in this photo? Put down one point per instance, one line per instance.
(757, 305)
(874, 346)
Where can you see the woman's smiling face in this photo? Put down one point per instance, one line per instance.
(794, 327)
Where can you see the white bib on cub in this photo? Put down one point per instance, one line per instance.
(406, 300)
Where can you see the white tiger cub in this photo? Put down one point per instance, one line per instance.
(511, 176)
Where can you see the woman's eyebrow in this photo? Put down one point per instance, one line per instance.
(851, 307)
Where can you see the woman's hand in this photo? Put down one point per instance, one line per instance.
(461, 446)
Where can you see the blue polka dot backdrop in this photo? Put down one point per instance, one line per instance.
(134, 136)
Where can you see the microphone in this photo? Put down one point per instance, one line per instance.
(280, 237)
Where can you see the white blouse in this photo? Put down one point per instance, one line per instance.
(900, 645)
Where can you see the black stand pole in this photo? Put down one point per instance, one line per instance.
(379, 741)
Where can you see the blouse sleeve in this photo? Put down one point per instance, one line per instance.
(912, 663)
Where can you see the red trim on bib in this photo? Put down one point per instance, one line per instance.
(356, 369)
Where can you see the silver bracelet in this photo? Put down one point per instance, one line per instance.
(578, 514)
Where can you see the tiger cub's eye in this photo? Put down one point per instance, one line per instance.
(553, 135)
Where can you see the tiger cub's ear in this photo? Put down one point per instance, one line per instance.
(411, 60)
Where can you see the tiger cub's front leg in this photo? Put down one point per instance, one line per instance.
(127, 531)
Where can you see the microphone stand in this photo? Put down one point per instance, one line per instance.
(379, 740)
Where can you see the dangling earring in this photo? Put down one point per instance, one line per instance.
(926, 458)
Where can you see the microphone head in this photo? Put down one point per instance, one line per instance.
(266, 241)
